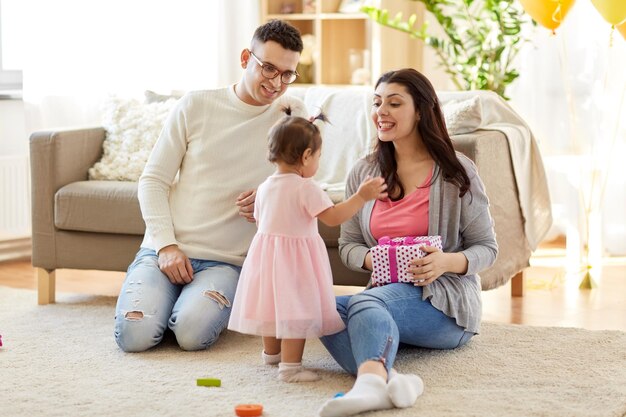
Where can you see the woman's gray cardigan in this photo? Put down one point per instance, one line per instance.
(464, 224)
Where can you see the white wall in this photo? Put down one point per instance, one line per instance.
(13, 138)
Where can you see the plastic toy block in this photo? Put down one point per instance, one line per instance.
(208, 382)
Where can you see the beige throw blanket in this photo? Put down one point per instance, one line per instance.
(496, 114)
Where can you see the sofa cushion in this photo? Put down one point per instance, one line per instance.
(99, 206)
(112, 207)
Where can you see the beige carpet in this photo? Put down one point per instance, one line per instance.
(61, 360)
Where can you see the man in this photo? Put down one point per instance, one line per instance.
(212, 148)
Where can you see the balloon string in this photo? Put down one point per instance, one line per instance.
(609, 152)
(582, 201)
(600, 168)
(597, 177)
(597, 151)
(568, 94)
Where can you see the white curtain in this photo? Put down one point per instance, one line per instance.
(237, 22)
(571, 92)
(78, 52)
(75, 53)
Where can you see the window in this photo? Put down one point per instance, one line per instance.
(10, 71)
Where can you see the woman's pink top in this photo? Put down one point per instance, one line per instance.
(406, 217)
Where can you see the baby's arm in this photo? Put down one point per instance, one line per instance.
(369, 189)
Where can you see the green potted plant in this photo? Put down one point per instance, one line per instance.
(482, 39)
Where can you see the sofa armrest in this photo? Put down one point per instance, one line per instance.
(57, 158)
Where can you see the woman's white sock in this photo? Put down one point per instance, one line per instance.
(368, 393)
(294, 372)
(270, 359)
(403, 389)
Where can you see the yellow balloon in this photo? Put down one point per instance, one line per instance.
(622, 29)
(613, 11)
(548, 13)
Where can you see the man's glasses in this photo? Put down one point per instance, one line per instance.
(270, 72)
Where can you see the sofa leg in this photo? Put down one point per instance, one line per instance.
(517, 285)
(45, 285)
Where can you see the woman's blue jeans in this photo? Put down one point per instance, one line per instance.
(196, 312)
(379, 318)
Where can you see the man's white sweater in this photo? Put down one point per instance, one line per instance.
(217, 144)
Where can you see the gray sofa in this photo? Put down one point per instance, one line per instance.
(97, 225)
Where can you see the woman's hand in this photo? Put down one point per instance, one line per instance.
(367, 262)
(427, 269)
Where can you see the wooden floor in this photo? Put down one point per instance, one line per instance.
(551, 298)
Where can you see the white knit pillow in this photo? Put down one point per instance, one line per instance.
(464, 116)
(132, 128)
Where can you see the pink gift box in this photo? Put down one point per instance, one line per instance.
(391, 257)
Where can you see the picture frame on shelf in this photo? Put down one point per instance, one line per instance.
(309, 6)
(288, 7)
(350, 6)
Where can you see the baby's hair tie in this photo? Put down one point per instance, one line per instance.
(321, 116)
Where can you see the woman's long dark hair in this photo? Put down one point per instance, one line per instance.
(432, 128)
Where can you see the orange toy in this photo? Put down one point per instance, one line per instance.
(249, 410)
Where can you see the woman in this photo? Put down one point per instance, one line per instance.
(433, 190)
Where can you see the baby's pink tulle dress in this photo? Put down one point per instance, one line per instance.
(285, 287)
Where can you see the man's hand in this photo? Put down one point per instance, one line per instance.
(176, 265)
(245, 201)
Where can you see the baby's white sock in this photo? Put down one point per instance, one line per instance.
(403, 389)
(368, 393)
(294, 372)
(270, 359)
